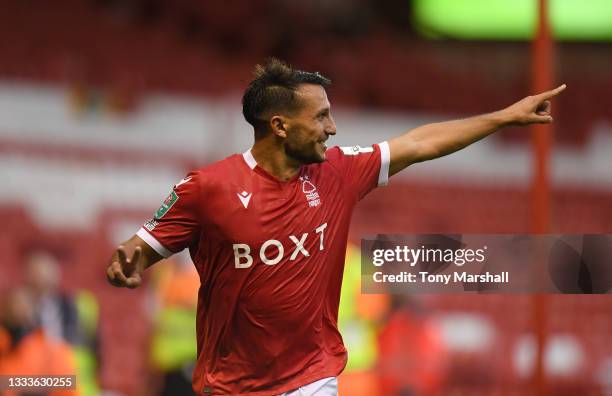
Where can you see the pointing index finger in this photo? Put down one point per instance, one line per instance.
(552, 92)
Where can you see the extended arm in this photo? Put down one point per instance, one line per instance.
(127, 272)
(439, 139)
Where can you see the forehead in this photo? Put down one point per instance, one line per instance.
(312, 96)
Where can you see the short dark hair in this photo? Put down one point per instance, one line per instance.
(273, 89)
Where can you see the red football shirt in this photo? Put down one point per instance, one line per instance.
(270, 255)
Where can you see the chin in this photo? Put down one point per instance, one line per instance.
(318, 157)
(322, 154)
(313, 157)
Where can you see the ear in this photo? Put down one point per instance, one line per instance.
(278, 126)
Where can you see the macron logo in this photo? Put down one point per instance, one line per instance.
(244, 198)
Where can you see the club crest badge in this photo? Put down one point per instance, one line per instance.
(310, 190)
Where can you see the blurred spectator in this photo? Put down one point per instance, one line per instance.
(25, 349)
(87, 349)
(72, 319)
(173, 349)
(359, 318)
(17, 319)
(412, 354)
(54, 309)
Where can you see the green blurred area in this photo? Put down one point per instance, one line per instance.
(570, 20)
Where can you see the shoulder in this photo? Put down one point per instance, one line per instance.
(220, 167)
(218, 173)
(216, 169)
(5, 340)
(337, 155)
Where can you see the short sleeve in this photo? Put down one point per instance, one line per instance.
(175, 225)
(362, 168)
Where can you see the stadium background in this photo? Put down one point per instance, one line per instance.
(105, 104)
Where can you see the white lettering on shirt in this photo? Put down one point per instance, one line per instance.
(262, 252)
(320, 229)
(245, 253)
(299, 246)
(242, 251)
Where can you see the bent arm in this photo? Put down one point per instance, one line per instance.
(148, 256)
(127, 272)
(439, 139)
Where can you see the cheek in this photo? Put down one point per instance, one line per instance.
(299, 136)
(295, 138)
(314, 133)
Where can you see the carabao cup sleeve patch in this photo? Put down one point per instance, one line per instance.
(166, 205)
(175, 225)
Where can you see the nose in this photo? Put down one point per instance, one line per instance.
(330, 128)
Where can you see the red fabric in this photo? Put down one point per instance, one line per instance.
(412, 356)
(267, 328)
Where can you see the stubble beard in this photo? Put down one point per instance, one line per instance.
(310, 156)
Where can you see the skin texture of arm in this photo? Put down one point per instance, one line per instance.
(129, 261)
(439, 139)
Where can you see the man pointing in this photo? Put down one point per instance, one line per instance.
(267, 231)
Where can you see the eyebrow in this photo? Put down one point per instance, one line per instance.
(323, 111)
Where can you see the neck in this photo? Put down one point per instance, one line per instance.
(270, 155)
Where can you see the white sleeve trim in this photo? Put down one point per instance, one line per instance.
(385, 159)
(151, 241)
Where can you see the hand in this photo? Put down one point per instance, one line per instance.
(124, 272)
(533, 109)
